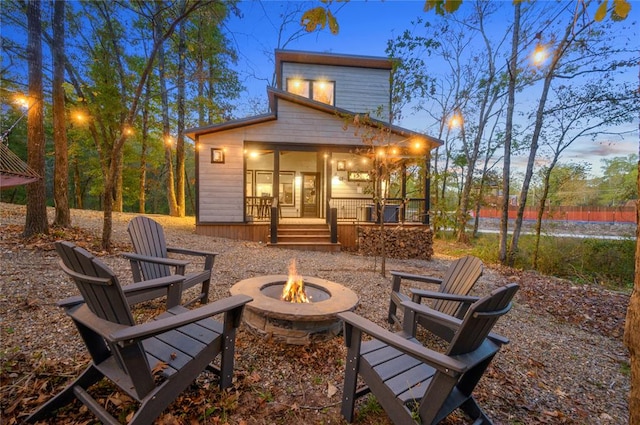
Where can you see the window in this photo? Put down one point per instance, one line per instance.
(320, 91)
(264, 183)
(323, 92)
(299, 87)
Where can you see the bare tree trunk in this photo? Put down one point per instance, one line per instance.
(543, 201)
(166, 128)
(569, 36)
(77, 184)
(180, 157)
(142, 184)
(61, 174)
(632, 322)
(117, 189)
(36, 220)
(506, 169)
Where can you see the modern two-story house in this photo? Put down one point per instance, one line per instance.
(312, 158)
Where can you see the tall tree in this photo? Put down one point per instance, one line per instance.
(181, 104)
(61, 174)
(488, 93)
(36, 220)
(632, 322)
(512, 66)
(579, 114)
(158, 31)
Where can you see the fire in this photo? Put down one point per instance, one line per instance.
(293, 291)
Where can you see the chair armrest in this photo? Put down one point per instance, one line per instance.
(446, 320)
(439, 361)
(158, 260)
(431, 315)
(418, 294)
(135, 288)
(417, 277)
(149, 329)
(193, 252)
(82, 314)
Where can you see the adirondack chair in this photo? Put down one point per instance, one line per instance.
(151, 260)
(449, 299)
(410, 380)
(151, 362)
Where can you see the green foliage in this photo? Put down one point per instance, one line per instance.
(370, 408)
(606, 262)
(619, 182)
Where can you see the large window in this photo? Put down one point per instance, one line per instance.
(318, 90)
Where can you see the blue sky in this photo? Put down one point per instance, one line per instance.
(365, 27)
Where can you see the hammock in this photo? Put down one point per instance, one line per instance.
(13, 170)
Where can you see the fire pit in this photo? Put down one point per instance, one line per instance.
(295, 322)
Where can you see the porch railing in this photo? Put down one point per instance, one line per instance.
(396, 210)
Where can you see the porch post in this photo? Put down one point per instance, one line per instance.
(403, 205)
(427, 188)
(334, 224)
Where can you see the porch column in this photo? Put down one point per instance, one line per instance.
(427, 188)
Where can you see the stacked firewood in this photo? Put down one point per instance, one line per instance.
(400, 242)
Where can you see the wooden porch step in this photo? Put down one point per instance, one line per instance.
(304, 238)
(308, 246)
(312, 237)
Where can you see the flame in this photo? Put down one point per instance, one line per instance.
(293, 290)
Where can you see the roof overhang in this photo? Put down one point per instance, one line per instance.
(276, 94)
(229, 125)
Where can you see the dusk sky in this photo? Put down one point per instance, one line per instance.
(365, 27)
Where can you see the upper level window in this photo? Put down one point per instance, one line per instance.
(299, 87)
(320, 91)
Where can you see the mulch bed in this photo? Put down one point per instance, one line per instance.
(288, 384)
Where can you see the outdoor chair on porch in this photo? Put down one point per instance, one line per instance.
(151, 362)
(413, 383)
(151, 260)
(450, 298)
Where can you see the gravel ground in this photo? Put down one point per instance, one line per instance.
(554, 371)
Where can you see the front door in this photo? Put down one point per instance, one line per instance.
(309, 194)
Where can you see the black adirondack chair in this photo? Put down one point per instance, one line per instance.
(151, 362)
(151, 260)
(410, 380)
(450, 298)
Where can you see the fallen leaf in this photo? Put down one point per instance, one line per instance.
(331, 390)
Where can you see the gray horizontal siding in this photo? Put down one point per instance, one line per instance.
(221, 186)
(356, 89)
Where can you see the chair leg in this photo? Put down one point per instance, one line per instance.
(352, 336)
(90, 376)
(473, 410)
(204, 297)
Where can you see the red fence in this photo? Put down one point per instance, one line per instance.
(602, 214)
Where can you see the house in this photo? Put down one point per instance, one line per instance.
(312, 154)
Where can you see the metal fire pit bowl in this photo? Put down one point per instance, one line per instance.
(295, 323)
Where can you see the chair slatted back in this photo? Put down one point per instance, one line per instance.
(480, 319)
(147, 238)
(459, 279)
(97, 284)
(103, 295)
